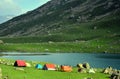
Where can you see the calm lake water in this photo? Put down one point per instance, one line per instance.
(95, 60)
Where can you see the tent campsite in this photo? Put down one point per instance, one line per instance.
(20, 63)
(49, 67)
(66, 68)
(38, 66)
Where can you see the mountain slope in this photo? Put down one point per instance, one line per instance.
(67, 19)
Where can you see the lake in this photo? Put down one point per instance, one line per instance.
(95, 60)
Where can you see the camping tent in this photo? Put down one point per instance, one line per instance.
(20, 63)
(38, 66)
(49, 67)
(66, 68)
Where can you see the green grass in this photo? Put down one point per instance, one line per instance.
(32, 73)
(109, 45)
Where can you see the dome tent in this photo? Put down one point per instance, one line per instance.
(66, 68)
(49, 67)
(20, 63)
(38, 66)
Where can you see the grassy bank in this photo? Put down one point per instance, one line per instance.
(94, 36)
(32, 73)
(92, 46)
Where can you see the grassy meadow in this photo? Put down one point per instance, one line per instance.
(91, 46)
(92, 37)
(33, 73)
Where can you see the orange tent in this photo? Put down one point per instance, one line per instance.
(66, 68)
(49, 67)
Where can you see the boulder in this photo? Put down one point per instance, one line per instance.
(115, 76)
(80, 65)
(6, 77)
(91, 70)
(1, 42)
(108, 70)
(88, 78)
(82, 70)
(86, 65)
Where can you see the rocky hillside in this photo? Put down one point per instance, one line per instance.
(62, 16)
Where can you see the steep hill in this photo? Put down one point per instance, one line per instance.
(69, 20)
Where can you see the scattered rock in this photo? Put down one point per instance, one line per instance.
(86, 65)
(91, 70)
(6, 77)
(88, 78)
(115, 76)
(105, 52)
(21, 69)
(82, 70)
(108, 70)
(1, 42)
(94, 27)
(46, 50)
(80, 65)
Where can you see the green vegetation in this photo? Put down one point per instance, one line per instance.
(93, 46)
(99, 36)
(32, 73)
